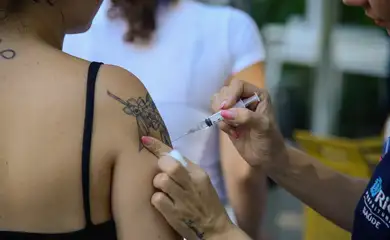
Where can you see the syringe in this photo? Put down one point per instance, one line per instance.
(217, 117)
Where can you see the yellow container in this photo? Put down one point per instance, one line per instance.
(343, 155)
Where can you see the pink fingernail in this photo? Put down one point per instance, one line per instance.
(146, 140)
(228, 114)
(223, 104)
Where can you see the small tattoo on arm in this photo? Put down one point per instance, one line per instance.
(7, 54)
(190, 225)
(147, 116)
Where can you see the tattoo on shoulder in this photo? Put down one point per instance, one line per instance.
(6, 54)
(147, 115)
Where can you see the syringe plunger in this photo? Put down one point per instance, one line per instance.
(246, 102)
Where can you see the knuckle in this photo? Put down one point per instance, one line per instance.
(213, 98)
(215, 102)
(265, 96)
(202, 176)
(237, 82)
(246, 115)
(162, 162)
(225, 91)
(155, 147)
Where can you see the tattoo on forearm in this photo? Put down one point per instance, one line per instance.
(190, 225)
(147, 115)
(7, 54)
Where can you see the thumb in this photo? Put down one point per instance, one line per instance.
(240, 117)
(155, 146)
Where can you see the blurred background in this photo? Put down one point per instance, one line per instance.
(327, 69)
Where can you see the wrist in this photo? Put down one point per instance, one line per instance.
(219, 228)
(232, 232)
(279, 160)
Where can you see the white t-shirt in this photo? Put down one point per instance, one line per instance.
(196, 48)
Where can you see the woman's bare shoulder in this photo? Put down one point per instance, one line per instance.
(117, 77)
(130, 113)
(124, 96)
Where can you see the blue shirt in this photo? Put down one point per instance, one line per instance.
(372, 214)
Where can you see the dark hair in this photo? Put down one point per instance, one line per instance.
(140, 16)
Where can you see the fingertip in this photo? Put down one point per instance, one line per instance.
(164, 160)
(156, 180)
(171, 166)
(228, 114)
(235, 81)
(162, 203)
(158, 198)
(147, 141)
(223, 104)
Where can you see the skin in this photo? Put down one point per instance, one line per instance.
(187, 194)
(378, 10)
(42, 94)
(247, 189)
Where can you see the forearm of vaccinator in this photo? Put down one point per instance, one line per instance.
(330, 193)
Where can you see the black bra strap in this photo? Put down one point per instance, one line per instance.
(87, 138)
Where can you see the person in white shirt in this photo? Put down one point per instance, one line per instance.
(184, 51)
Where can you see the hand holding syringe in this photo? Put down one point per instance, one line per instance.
(217, 117)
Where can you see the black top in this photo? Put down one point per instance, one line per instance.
(102, 231)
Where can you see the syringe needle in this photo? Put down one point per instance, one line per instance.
(174, 140)
(185, 134)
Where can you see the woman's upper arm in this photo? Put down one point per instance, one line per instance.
(132, 190)
(246, 49)
(248, 55)
(254, 74)
(132, 114)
